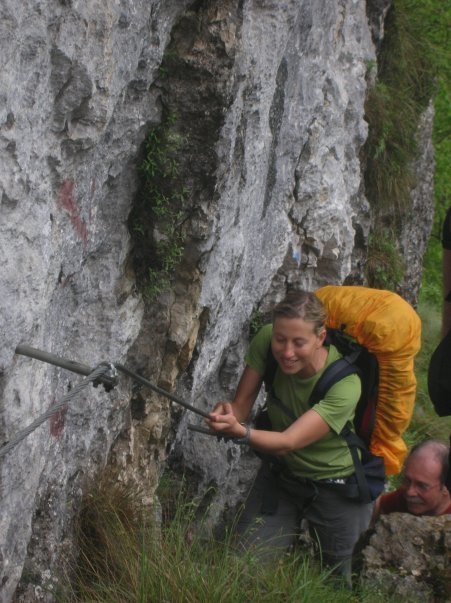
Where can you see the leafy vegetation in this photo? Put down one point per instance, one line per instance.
(434, 21)
(256, 322)
(384, 265)
(403, 89)
(157, 220)
(413, 67)
(437, 20)
(425, 422)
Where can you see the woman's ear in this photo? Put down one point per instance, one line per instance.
(322, 336)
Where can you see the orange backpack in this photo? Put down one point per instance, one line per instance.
(390, 329)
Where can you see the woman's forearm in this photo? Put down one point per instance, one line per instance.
(246, 393)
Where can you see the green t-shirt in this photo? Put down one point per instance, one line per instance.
(329, 457)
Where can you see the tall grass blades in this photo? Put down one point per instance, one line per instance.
(125, 557)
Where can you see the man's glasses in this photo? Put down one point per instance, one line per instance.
(419, 486)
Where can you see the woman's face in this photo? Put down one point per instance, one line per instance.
(296, 346)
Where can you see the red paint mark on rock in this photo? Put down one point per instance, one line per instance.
(67, 201)
(57, 422)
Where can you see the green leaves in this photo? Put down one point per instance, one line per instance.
(160, 213)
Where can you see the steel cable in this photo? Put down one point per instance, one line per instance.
(98, 372)
(105, 373)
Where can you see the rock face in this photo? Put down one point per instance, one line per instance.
(408, 558)
(420, 211)
(263, 104)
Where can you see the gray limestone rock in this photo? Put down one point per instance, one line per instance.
(408, 558)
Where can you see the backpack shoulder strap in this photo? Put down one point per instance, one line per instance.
(335, 372)
(354, 444)
(340, 368)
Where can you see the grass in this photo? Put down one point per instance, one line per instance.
(425, 422)
(384, 266)
(124, 558)
(413, 68)
(403, 89)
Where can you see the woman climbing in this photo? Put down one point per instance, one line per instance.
(309, 455)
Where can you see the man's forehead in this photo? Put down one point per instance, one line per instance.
(424, 465)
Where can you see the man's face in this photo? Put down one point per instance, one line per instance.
(424, 493)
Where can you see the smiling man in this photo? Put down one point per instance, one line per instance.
(423, 490)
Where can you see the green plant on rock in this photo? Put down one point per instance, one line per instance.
(159, 279)
(256, 322)
(389, 177)
(158, 220)
(384, 267)
(404, 87)
(438, 19)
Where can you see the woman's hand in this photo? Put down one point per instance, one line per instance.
(220, 407)
(223, 421)
(309, 428)
(227, 417)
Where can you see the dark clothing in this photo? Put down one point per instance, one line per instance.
(446, 231)
(273, 512)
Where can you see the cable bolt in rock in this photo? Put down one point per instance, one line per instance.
(105, 374)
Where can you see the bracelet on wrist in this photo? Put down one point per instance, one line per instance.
(245, 439)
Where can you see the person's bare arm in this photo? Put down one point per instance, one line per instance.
(246, 393)
(309, 428)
